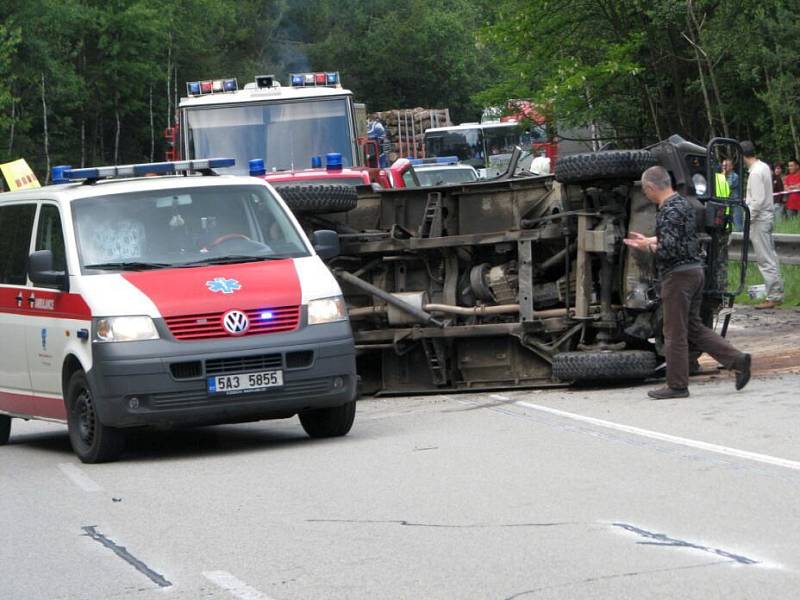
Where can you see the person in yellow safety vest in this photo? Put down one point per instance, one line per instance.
(722, 188)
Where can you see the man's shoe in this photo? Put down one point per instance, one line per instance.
(742, 367)
(666, 392)
(768, 304)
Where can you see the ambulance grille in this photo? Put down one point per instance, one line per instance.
(305, 389)
(242, 364)
(209, 325)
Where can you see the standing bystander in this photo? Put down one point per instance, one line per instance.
(777, 190)
(735, 192)
(759, 201)
(792, 182)
(677, 253)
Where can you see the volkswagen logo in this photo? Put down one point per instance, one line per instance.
(235, 322)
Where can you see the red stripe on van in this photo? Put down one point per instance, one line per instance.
(47, 303)
(35, 406)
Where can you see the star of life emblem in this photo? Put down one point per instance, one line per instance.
(221, 284)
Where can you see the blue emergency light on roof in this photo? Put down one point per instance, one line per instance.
(319, 79)
(437, 160)
(142, 169)
(217, 86)
(333, 161)
(257, 167)
(57, 174)
(316, 162)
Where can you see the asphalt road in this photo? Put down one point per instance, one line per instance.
(539, 494)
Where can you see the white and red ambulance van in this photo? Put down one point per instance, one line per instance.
(128, 301)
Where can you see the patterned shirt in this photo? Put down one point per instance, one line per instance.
(677, 237)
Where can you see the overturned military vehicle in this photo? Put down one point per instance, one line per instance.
(522, 280)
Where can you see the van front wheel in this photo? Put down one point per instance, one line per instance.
(5, 429)
(329, 422)
(92, 441)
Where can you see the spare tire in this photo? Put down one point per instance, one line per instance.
(604, 366)
(606, 164)
(320, 198)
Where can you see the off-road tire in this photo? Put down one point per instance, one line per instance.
(311, 199)
(604, 366)
(92, 441)
(329, 422)
(5, 429)
(606, 164)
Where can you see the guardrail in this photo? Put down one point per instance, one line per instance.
(786, 244)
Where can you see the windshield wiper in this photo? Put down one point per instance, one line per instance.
(128, 265)
(224, 260)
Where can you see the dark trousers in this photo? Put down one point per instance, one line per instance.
(681, 296)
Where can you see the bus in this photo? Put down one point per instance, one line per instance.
(488, 146)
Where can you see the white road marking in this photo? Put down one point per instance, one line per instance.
(235, 586)
(656, 435)
(79, 478)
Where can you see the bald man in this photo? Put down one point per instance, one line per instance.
(682, 276)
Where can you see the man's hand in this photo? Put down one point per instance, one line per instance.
(641, 242)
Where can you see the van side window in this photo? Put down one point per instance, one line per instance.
(51, 237)
(16, 226)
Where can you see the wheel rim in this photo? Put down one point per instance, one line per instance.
(86, 417)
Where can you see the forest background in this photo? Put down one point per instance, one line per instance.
(89, 82)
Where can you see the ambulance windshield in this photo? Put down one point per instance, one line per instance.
(286, 135)
(183, 227)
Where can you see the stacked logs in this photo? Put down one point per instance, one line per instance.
(405, 128)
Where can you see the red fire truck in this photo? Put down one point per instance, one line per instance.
(288, 128)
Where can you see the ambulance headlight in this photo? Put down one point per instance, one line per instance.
(125, 329)
(327, 310)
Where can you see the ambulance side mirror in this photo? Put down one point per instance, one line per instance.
(326, 243)
(41, 273)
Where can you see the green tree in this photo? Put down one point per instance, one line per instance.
(9, 41)
(649, 69)
(397, 55)
(95, 81)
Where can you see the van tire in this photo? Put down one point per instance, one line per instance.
(320, 198)
(5, 429)
(329, 422)
(92, 441)
(605, 164)
(616, 365)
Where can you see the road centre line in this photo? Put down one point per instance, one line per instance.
(656, 435)
(234, 586)
(79, 478)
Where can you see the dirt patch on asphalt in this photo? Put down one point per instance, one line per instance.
(771, 336)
